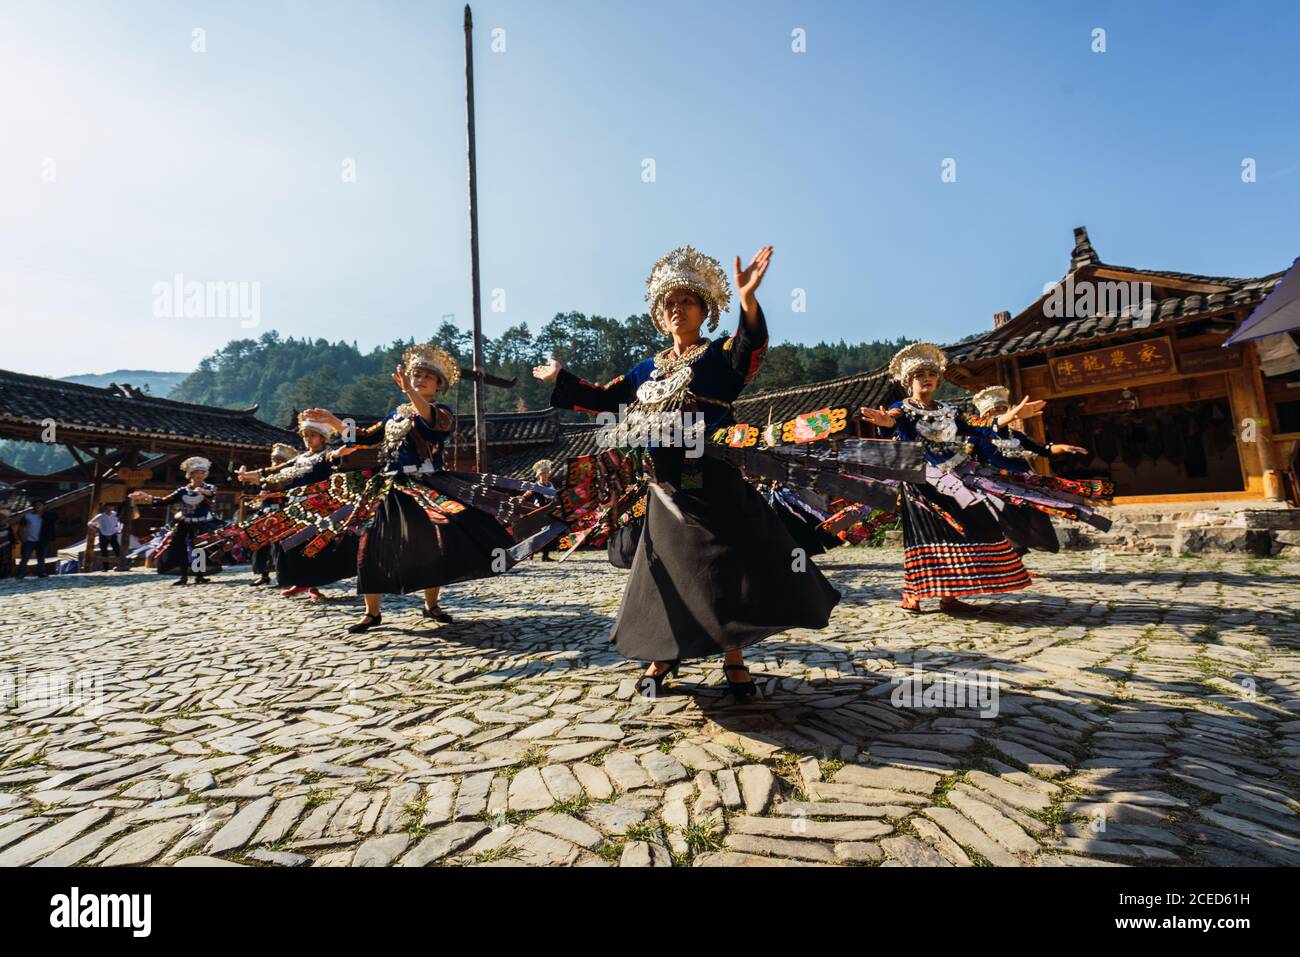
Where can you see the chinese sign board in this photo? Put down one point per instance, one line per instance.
(1116, 365)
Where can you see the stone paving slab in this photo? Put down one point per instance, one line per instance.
(1145, 714)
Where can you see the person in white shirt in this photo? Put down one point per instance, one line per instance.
(107, 524)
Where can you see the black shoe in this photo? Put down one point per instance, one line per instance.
(657, 680)
(200, 580)
(180, 581)
(367, 622)
(435, 614)
(742, 691)
(259, 581)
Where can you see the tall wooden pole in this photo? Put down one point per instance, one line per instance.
(88, 552)
(480, 437)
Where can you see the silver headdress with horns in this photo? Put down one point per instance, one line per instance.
(919, 355)
(986, 400)
(282, 453)
(428, 356)
(688, 268)
(194, 463)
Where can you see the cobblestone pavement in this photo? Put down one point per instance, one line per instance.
(1146, 714)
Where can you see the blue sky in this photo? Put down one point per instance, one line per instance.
(226, 165)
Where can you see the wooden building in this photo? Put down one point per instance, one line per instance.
(1132, 364)
(123, 439)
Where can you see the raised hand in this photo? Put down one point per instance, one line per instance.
(140, 497)
(402, 379)
(1024, 409)
(324, 415)
(549, 369)
(880, 417)
(1061, 449)
(747, 280)
(247, 477)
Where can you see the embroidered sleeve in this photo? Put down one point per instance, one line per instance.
(970, 425)
(1032, 445)
(437, 430)
(570, 392)
(372, 434)
(904, 424)
(748, 347)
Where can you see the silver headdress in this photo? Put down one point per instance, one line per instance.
(543, 465)
(919, 355)
(986, 400)
(688, 268)
(282, 453)
(194, 463)
(428, 356)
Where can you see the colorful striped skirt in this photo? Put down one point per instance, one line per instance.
(941, 560)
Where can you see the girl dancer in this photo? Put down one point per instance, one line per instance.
(422, 525)
(951, 540)
(296, 571)
(193, 515)
(262, 557)
(714, 569)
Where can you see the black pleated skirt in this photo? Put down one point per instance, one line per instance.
(621, 547)
(405, 551)
(804, 530)
(262, 565)
(333, 563)
(178, 557)
(1028, 529)
(939, 560)
(724, 575)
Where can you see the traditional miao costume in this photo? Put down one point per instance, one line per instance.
(296, 565)
(190, 515)
(1030, 499)
(713, 567)
(423, 525)
(268, 501)
(952, 544)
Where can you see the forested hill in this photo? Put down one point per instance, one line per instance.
(281, 375)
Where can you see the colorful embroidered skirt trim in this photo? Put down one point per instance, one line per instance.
(939, 561)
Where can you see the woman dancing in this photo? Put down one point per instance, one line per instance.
(424, 526)
(952, 543)
(297, 571)
(262, 557)
(714, 568)
(1007, 450)
(193, 516)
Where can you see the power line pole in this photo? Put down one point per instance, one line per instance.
(480, 427)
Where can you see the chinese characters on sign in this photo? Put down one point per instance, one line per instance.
(1117, 364)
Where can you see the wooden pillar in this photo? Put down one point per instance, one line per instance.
(1270, 451)
(1253, 454)
(1034, 428)
(127, 509)
(88, 551)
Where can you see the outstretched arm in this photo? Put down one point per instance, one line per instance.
(570, 392)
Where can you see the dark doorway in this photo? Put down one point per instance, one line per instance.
(1167, 450)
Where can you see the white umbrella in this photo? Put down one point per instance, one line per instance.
(1279, 312)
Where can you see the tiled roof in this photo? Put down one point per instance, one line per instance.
(503, 428)
(87, 412)
(569, 442)
(1033, 332)
(848, 392)
(513, 428)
